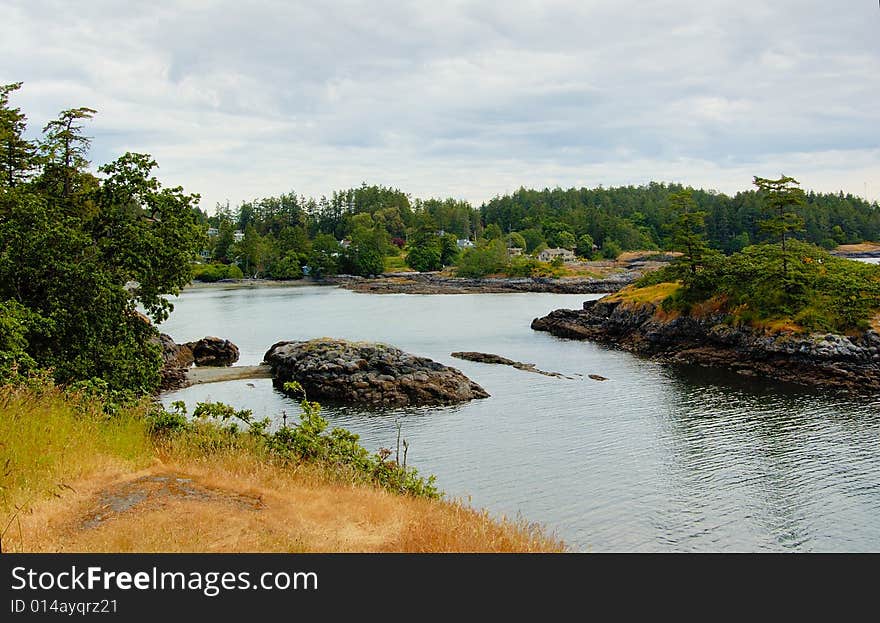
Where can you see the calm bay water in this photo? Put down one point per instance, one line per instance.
(657, 458)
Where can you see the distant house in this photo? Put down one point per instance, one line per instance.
(464, 243)
(213, 231)
(205, 254)
(238, 235)
(548, 255)
(514, 251)
(345, 243)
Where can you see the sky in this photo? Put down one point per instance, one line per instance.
(240, 100)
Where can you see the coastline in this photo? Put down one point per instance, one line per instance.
(819, 359)
(437, 283)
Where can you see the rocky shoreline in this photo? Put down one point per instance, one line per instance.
(824, 360)
(436, 283)
(368, 373)
(177, 359)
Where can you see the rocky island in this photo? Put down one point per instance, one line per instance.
(820, 326)
(368, 373)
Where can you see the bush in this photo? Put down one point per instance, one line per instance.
(287, 267)
(216, 425)
(209, 273)
(610, 250)
(817, 291)
(482, 260)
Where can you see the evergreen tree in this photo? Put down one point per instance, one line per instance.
(688, 230)
(17, 155)
(780, 197)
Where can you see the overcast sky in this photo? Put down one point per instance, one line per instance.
(238, 100)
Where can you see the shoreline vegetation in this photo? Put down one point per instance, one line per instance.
(816, 324)
(89, 463)
(83, 474)
(583, 277)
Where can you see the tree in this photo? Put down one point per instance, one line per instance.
(611, 249)
(484, 259)
(324, 257)
(82, 276)
(688, 230)
(516, 241)
(65, 147)
(780, 197)
(425, 251)
(449, 250)
(584, 246)
(224, 242)
(17, 155)
(533, 237)
(493, 232)
(566, 240)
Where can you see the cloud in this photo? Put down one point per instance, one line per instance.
(466, 99)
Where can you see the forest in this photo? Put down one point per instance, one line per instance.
(371, 229)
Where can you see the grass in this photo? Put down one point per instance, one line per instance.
(862, 247)
(396, 264)
(77, 480)
(654, 294)
(801, 290)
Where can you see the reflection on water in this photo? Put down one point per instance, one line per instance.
(657, 458)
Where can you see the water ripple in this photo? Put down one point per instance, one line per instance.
(657, 458)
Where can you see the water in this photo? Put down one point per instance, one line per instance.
(657, 458)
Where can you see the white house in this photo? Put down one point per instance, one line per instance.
(548, 255)
(238, 235)
(213, 231)
(464, 243)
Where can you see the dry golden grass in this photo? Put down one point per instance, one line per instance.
(233, 505)
(862, 247)
(175, 497)
(654, 294)
(778, 325)
(629, 256)
(709, 307)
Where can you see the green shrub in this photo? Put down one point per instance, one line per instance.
(209, 273)
(817, 291)
(215, 426)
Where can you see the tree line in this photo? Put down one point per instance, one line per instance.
(356, 230)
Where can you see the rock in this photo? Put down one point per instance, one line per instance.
(213, 351)
(597, 377)
(176, 358)
(821, 359)
(434, 283)
(175, 355)
(504, 361)
(378, 379)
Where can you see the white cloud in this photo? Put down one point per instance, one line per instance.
(467, 99)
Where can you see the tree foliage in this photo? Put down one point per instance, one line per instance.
(79, 255)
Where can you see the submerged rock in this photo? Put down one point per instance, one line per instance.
(368, 373)
(504, 361)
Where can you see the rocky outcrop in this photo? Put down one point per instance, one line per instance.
(434, 283)
(850, 362)
(177, 358)
(213, 351)
(173, 354)
(504, 361)
(368, 373)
